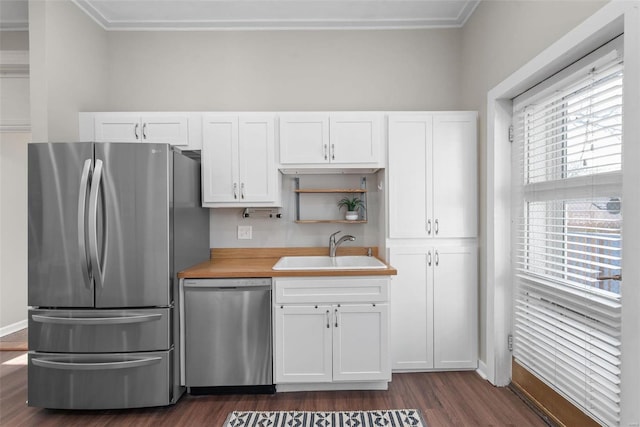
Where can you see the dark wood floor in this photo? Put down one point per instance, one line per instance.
(445, 399)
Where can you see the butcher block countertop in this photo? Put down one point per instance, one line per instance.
(259, 262)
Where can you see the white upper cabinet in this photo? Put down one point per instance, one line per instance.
(178, 129)
(455, 176)
(354, 138)
(330, 139)
(304, 138)
(433, 175)
(238, 161)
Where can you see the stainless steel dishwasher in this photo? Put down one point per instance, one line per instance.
(228, 335)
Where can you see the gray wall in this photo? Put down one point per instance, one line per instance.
(284, 70)
(499, 38)
(14, 40)
(68, 56)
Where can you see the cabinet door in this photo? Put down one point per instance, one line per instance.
(257, 167)
(360, 342)
(117, 127)
(455, 310)
(410, 139)
(411, 309)
(304, 138)
(220, 181)
(302, 344)
(354, 138)
(165, 129)
(455, 181)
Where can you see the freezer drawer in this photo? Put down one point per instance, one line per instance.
(99, 381)
(99, 331)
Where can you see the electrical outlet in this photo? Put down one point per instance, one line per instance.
(244, 232)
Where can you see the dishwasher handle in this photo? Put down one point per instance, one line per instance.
(228, 285)
(227, 288)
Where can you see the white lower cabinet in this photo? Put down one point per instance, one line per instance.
(434, 317)
(303, 348)
(340, 341)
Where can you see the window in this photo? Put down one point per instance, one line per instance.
(567, 249)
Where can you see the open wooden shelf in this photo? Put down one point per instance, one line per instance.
(362, 190)
(331, 190)
(330, 221)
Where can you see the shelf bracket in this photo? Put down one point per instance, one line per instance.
(363, 186)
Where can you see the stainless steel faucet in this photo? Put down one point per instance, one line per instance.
(333, 245)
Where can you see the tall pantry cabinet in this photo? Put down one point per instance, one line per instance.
(432, 240)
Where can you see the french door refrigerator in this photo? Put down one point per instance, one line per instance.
(110, 225)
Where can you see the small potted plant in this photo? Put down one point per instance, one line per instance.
(352, 204)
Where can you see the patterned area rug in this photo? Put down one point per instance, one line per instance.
(391, 418)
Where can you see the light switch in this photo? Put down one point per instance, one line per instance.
(244, 232)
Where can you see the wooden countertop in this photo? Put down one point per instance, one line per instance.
(259, 262)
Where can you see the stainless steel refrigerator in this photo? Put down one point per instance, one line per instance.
(110, 226)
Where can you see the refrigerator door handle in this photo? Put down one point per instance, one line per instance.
(100, 366)
(96, 182)
(82, 238)
(127, 319)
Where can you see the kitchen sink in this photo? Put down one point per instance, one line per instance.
(351, 262)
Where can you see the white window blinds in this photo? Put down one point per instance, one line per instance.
(567, 238)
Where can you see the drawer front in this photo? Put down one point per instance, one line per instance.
(94, 381)
(337, 289)
(98, 331)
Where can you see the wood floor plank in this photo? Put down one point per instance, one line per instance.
(444, 398)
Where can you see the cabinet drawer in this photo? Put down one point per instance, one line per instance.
(99, 381)
(331, 290)
(97, 331)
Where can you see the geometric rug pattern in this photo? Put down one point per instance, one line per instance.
(390, 418)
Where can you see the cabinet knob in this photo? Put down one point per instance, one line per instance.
(436, 226)
(144, 131)
(326, 157)
(333, 151)
(242, 191)
(429, 258)
(235, 190)
(135, 130)
(437, 258)
(429, 226)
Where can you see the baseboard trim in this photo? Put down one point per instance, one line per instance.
(14, 327)
(559, 410)
(482, 370)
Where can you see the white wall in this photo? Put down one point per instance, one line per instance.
(13, 230)
(498, 39)
(14, 115)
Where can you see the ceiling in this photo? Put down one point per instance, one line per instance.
(258, 14)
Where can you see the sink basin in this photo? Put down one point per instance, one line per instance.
(354, 262)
